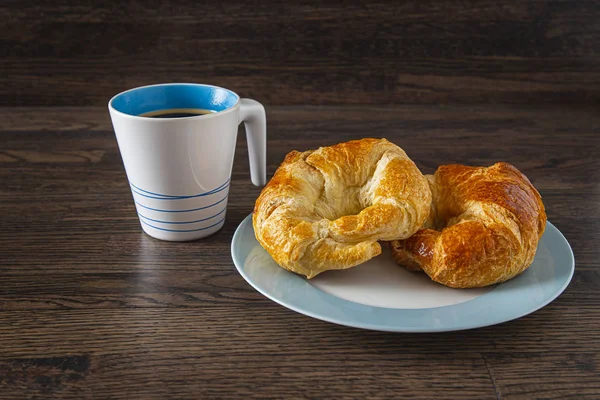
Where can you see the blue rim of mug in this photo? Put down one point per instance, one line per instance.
(163, 120)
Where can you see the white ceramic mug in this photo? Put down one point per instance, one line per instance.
(179, 169)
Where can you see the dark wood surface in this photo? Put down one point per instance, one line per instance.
(362, 52)
(91, 307)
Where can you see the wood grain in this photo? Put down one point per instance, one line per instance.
(284, 53)
(92, 307)
(195, 355)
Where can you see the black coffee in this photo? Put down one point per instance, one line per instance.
(177, 113)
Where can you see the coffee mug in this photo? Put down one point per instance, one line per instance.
(179, 165)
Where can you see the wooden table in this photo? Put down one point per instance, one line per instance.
(91, 307)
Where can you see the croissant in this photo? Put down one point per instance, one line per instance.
(484, 227)
(327, 209)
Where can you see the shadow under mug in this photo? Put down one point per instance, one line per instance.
(179, 169)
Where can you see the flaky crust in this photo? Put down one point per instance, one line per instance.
(484, 227)
(326, 209)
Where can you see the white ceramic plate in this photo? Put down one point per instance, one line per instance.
(380, 295)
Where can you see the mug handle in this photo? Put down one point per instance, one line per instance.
(252, 114)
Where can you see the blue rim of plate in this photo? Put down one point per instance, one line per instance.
(539, 285)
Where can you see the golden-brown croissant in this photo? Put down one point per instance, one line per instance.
(484, 227)
(326, 209)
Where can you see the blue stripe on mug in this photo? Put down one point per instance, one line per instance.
(213, 191)
(182, 230)
(185, 222)
(177, 211)
(134, 189)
